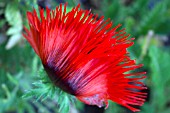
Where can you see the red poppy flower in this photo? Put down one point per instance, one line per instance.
(86, 57)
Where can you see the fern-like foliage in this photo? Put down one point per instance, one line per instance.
(43, 89)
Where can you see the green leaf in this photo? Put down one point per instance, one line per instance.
(13, 15)
(150, 20)
(12, 79)
(129, 23)
(14, 39)
(7, 102)
(14, 30)
(160, 68)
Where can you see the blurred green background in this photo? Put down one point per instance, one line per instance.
(146, 20)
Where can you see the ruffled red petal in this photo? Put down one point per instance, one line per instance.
(86, 57)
